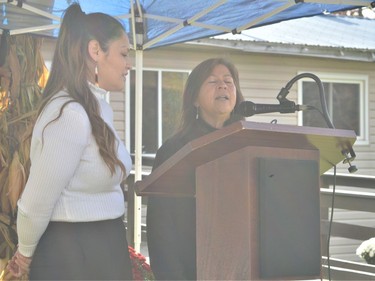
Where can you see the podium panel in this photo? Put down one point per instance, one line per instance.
(289, 219)
(241, 221)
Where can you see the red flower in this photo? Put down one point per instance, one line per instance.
(141, 269)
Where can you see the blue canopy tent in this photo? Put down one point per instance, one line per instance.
(156, 23)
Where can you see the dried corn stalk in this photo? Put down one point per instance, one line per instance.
(16, 181)
(17, 109)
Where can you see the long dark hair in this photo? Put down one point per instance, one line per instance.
(193, 84)
(70, 71)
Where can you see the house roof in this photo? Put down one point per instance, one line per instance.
(324, 35)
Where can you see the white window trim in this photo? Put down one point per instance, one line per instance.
(362, 80)
(127, 103)
(127, 112)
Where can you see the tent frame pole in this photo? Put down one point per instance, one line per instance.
(138, 147)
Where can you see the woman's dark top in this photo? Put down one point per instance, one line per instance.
(171, 220)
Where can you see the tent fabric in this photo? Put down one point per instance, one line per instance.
(168, 22)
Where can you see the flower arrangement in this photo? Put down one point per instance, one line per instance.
(141, 269)
(367, 250)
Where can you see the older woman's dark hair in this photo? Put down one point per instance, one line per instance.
(193, 84)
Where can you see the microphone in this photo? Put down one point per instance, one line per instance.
(248, 108)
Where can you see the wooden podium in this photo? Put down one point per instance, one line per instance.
(257, 197)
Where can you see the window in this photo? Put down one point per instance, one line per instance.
(162, 101)
(345, 97)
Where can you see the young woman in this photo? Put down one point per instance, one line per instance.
(70, 215)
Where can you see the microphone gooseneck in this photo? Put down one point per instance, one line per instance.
(248, 108)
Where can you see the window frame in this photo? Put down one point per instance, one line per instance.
(361, 80)
(159, 98)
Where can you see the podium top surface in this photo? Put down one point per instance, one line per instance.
(179, 170)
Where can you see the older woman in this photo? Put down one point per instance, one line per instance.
(211, 93)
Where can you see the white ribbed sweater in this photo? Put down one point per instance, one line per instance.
(68, 179)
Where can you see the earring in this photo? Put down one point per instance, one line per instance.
(197, 113)
(96, 76)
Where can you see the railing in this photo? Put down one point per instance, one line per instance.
(358, 200)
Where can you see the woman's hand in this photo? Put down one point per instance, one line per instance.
(19, 264)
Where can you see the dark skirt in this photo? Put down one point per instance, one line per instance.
(82, 251)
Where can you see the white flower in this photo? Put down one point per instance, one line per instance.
(366, 249)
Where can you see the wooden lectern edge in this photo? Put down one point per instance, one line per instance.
(285, 128)
(185, 150)
(162, 168)
(236, 127)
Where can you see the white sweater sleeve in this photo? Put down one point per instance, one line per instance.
(56, 153)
